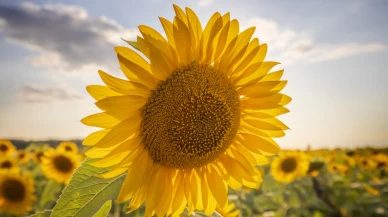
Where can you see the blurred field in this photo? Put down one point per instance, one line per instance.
(335, 183)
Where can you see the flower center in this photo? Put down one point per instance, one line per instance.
(39, 156)
(3, 147)
(6, 164)
(63, 164)
(21, 155)
(190, 118)
(67, 148)
(13, 190)
(288, 165)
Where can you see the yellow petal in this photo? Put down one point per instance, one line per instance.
(258, 143)
(135, 177)
(93, 138)
(168, 29)
(217, 186)
(180, 13)
(274, 101)
(102, 120)
(99, 92)
(120, 132)
(195, 29)
(182, 41)
(122, 106)
(215, 20)
(123, 86)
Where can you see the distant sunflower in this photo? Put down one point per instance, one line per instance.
(289, 166)
(200, 113)
(338, 168)
(59, 166)
(22, 156)
(68, 147)
(38, 154)
(8, 163)
(366, 163)
(228, 211)
(16, 193)
(6, 147)
(372, 190)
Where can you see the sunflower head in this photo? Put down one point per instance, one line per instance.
(289, 165)
(6, 147)
(8, 163)
(68, 147)
(22, 156)
(367, 163)
(37, 156)
(16, 192)
(199, 111)
(59, 166)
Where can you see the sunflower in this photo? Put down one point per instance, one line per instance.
(68, 147)
(59, 166)
(372, 190)
(22, 157)
(38, 154)
(193, 120)
(289, 166)
(6, 147)
(16, 192)
(366, 163)
(8, 163)
(228, 211)
(338, 168)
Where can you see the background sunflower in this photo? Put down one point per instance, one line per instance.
(289, 166)
(16, 192)
(58, 165)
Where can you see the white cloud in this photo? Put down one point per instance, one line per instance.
(65, 37)
(204, 3)
(38, 94)
(288, 45)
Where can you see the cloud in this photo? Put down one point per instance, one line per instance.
(204, 3)
(39, 94)
(288, 45)
(65, 37)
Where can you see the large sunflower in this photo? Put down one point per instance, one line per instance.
(16, 192)
(6, 147)
(68, 147)
(59, 166)
(193, 120)
(289, 166)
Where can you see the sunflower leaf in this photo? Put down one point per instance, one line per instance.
(86, 193)
(50, 194)
(104, 210)
(133, 44)
(45, 213)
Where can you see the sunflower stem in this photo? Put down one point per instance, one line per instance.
(323, 196)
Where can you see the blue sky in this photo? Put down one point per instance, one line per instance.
(334, 54)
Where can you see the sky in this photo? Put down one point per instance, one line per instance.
(334, 53)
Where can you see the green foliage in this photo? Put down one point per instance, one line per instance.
(49, 194)
(105, 209)
(45, 213)
(86, 192)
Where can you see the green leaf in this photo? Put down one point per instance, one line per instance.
(45, 213)
(86, 192)
(105, 209)
(133, 44)
(49, 194)
(317, 165)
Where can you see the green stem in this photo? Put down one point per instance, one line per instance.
(321, 194)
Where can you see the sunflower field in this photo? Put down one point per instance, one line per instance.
(37, 181)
